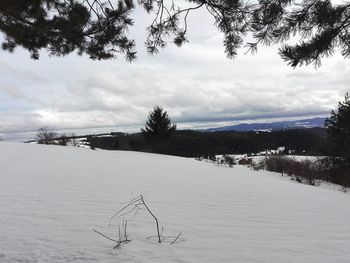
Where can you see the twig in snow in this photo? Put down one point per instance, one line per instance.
(105, 236)
(176, 239)
(157, 224)
(133, 206)
(123, 237)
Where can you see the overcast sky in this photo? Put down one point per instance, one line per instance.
(196, 84)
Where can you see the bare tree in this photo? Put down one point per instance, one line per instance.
(46, 135)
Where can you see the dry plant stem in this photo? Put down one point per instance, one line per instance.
(125, 235)
(105, 236)
(123, 238)
(176, 239)
(121, 242)
(161, 234)
(143, 201)
(133, 206)
(134, 201)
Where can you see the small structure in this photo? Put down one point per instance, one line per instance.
(245, 161)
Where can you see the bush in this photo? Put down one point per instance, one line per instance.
(339, 176)
(309, 172)
(304, 171)
(63, 140)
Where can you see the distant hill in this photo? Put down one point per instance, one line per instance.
(273, 126)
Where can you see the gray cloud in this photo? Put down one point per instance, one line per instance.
(13, 91)
(6, 70)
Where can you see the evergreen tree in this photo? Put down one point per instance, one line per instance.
(99, 28)
(338, 128)
(158, 127)
(63, 26)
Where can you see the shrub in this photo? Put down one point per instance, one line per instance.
(304, 171)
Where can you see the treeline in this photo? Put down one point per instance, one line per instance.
(189, 143)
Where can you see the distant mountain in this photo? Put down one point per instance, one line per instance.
(272, 126)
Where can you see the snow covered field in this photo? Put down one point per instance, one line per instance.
(51, 198)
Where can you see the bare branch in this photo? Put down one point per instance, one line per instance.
(155, 218)
(105, 236)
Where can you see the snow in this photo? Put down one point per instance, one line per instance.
(52, 197)
(304, 158)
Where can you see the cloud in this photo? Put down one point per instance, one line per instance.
(6, 70)
(12, 91)
(196, 84)
(18, 121)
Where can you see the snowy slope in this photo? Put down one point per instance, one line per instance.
(51, 198)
